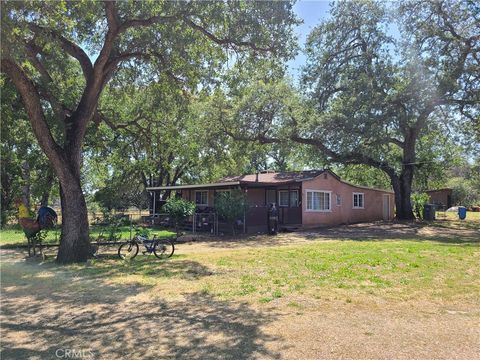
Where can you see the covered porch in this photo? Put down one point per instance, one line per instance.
(286, 197)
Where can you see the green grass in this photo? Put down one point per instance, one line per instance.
(354, 271)
(398, 269)
(15, 235)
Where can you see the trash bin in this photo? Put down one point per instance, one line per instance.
(462, 212)
(429, 212)
(272, 219)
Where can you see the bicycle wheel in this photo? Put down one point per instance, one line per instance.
(128, 250)
(163, 249)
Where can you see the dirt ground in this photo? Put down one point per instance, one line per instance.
(69, 314)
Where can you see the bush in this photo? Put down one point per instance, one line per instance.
(464, 193)
(231, 206)
(178, 210)
(418, 200)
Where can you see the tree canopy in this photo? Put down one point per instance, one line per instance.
(61, 55)
(369, 98)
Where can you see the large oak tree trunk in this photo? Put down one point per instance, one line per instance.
(74, 242)
(402, 185)
(403, 206)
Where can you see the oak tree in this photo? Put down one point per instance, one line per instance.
(61, 55)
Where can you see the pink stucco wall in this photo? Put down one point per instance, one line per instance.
(345, 213)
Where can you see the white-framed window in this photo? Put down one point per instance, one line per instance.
(201, 197)
(358, 200)
(283, 198)
(318, 200)
(339, 200)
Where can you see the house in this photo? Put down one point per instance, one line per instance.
(441, 197)
(304, 199)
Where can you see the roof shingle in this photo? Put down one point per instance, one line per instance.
(274, 177)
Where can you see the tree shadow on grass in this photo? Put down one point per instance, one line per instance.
(71, 310)
(200, 327)
(443, 232)
(385, 231)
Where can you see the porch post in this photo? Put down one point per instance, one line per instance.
(289, 203)
(154, 201)
(300, 204)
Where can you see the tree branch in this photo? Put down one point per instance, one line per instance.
(59, 110)
(112, 64)
(226, 41)
(112, 15)
(147, 22)
(70, 48)
(33, 107)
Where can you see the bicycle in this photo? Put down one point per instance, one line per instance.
(162, 248)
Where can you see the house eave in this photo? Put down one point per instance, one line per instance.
(180, 187)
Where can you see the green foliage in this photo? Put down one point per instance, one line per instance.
(143, 231)
(231, 206)
(363, 175)
(178, 209)
(19, 152)
(120, 193)
(418, 200)
(464, 192)
(369, 99)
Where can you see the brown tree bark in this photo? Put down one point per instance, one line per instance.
(74, 242)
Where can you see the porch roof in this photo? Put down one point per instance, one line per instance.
(180, 187)
(260, 179)
(274, 178)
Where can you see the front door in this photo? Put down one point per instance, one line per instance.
(386, 207)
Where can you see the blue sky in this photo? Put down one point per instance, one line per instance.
(312, 12)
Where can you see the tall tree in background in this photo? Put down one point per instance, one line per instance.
(375, 108)
(48, 47)
(370, 99)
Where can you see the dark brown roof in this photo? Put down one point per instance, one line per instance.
(275, 177)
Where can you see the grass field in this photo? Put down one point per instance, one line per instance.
(405, 266)
(365, 291)
(348, 269)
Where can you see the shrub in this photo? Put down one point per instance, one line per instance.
(463, 193)
(418, 200)
(178, 210)
(231, 206)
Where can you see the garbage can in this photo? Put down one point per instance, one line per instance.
(429, 212)
(272, 219)
(462, 212)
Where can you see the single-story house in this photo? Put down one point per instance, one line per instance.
(304, 199)
(441, 197)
